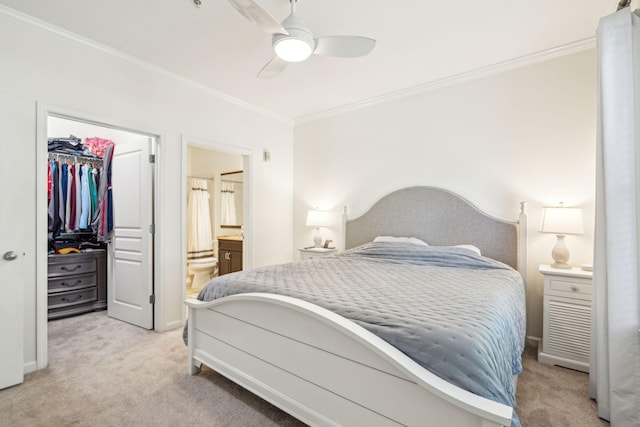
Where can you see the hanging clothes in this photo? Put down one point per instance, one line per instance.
(61, 180)
(54, 202)
(78, 209)
(72, 198)
(49, 178)
(93, 195)
(102, 223)
(67, 198)
(85, 200)
(79, 189)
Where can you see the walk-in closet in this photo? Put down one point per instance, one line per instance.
(100, 192)
(80, 221)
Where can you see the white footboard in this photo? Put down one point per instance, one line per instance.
(324, 369)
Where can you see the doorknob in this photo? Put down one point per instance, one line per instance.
(10, 256)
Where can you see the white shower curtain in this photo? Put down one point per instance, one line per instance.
(199, 238)
(614, 379)
(228, 204)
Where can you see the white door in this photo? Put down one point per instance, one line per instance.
(130, 276)
(17, 133)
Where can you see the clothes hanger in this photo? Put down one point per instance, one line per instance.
(623, 3)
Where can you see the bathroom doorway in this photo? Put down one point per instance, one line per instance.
(215, 191)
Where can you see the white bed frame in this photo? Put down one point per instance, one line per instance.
(324, 369)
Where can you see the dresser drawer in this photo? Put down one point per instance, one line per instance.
(72, 283)
(65, 299)
(73, 267)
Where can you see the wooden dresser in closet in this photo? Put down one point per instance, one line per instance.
(77, 283)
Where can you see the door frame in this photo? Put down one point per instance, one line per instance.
(42, 114)
(247, 203)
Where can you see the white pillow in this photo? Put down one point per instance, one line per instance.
(470, 247)
(392, 239)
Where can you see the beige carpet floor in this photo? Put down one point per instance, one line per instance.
(103, 372)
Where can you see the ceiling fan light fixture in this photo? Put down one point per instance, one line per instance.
(292, 49)
(298, 44)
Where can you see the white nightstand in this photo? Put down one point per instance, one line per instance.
(316, 252)
(567, 318)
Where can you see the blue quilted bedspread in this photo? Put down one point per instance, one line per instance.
(458, 314)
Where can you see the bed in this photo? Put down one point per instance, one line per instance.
(355, 344)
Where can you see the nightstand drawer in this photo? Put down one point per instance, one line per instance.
(310, 253)
(573, 287)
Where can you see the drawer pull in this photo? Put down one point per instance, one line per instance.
(65, 268)
(71, 284)
(65, 299)
(574, 288)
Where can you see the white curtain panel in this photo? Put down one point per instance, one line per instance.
(228, 204)
(615, 347)
(199, 238)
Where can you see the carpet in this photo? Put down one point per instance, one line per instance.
(103, 372)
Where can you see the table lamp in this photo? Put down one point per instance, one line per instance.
(317, 219)
(561, 221)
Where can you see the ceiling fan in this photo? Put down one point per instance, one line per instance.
(293, 42)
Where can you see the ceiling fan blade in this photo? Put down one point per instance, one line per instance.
(273, 68)
(256, 14)
(344, 46)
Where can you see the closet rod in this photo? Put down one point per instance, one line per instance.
(200, 177)
(69, 158)
(75, 159)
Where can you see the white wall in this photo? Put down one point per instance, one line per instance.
(524, 134)
(40, 66)
(59, 127)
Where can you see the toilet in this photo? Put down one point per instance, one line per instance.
(202, 270)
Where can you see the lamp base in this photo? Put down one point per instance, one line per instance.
(317, 238)
(560, 253)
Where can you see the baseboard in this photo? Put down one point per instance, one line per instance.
(533, 342)
(30, 367)
(552, 359)
(171, 325)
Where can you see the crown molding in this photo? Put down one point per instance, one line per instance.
(31, 20)
(477, 73)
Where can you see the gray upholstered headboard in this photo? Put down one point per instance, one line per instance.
(442, 218)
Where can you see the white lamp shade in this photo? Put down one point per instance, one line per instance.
(318, 219)
(561, 220)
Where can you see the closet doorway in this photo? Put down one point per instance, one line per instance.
(128, 268)
(216, 211)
